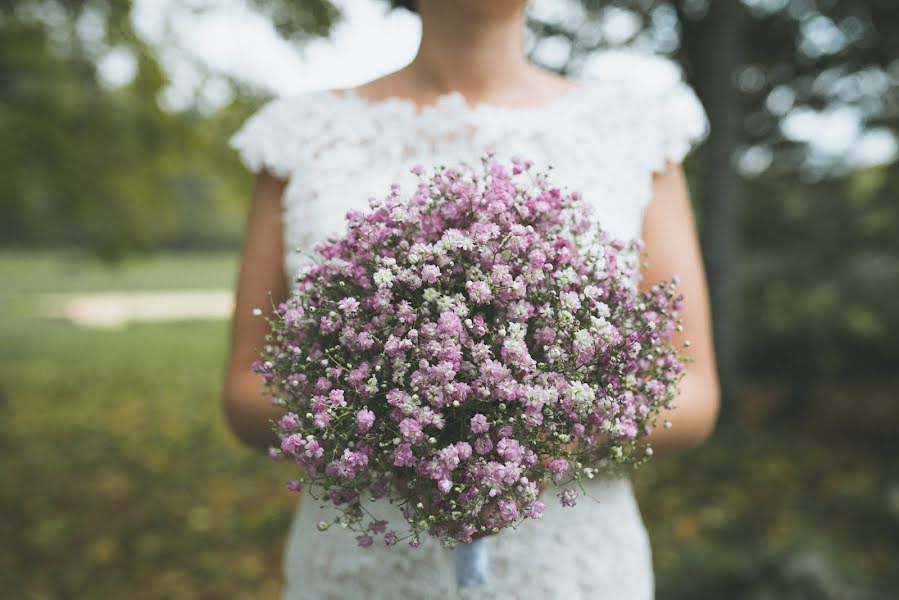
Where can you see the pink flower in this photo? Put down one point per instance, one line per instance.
(411, 430)
(321, 420)
(510, 449)
(478, 291)
(479, 424)
(449, 323)
(535, 510)
(364, 540)
(336, 398)
(292, 443)
(377, 527)
(364, 420)
(463, 450)
(568, 496)
(403, 457)
(314, 449)
(349, 306)
(478, 326)
(483, 445)
(507, 510)
(430, 273)
(323, 385)
(288, 422)
(558, 467)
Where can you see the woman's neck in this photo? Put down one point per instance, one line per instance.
(480, 55)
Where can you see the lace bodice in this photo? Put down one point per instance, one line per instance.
(606, 139)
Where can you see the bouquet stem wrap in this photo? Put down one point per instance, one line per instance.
(472, 560)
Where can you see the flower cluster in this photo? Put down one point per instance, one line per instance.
(461, 347)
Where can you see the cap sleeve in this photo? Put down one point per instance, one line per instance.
(662, 106)
(273, 137)
(682, 120)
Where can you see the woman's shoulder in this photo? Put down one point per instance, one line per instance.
(274, 136)
(647, 95)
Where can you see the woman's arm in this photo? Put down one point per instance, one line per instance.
(672, 248)
(261, 272)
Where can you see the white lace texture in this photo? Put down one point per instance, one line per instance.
(607, 138)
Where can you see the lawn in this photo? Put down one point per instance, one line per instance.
(120, 480)
(119, 476)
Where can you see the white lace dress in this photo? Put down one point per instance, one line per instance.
(606, 138)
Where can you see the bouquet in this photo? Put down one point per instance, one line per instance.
(463, 346)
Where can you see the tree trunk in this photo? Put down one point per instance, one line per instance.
(714, 47)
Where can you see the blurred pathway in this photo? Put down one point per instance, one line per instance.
(112, 310)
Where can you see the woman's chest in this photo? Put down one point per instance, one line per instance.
(344, 175)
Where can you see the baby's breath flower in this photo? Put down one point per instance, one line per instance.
(463, 350)
(383, 278)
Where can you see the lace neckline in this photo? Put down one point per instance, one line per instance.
(455, 102)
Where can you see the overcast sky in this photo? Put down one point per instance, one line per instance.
(231, 38)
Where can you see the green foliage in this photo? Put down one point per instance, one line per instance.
(821, 277)
(88, 164)
(311, 18)
(120, 477)
(765, 511)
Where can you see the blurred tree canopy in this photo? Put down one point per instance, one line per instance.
(800, 232)
(106, 165)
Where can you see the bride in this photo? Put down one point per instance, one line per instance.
(619, 138)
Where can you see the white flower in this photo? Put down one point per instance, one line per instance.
(582, 395)
(583, 338)
(430, 294)
(600, 327)
(566, 276)
(570, 300)
(399, 214)
(517, 331)
(455, 239)
(518, 286)
(602, 309)
(384, 278)
(553, 354)
(445, 303)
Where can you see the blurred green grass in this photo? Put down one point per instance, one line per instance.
(120, 480)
